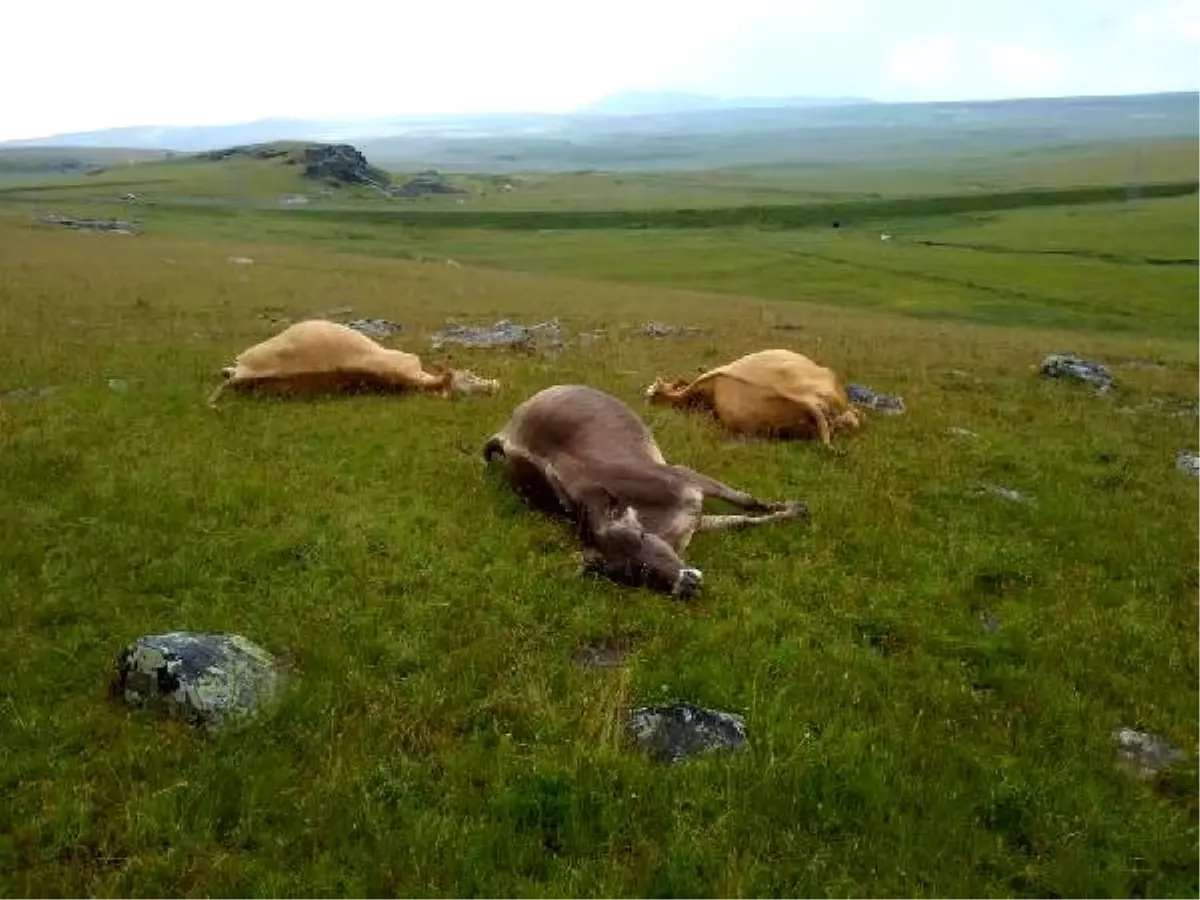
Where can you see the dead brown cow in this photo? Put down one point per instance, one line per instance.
(771, 393)
(318, 356)
(582, 453)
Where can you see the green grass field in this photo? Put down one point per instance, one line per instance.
(930, 678)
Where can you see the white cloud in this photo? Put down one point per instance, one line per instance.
(76, 64)
(925, 64)
(1169, 20)
(1022, 69)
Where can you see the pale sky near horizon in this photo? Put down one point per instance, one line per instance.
(75, 65)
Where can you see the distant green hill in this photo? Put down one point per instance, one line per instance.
(246, 173)
(38, 162)
(276, 177)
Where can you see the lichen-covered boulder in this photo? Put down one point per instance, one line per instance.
(671, 733)
(981, 488)
(1076, 368)
(375, 328)
(504, 334)
(207, 679)
(1188, 461)
(1145, 754)
(885, 404)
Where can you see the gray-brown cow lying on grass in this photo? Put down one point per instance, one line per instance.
(318, 356)
(580, 452)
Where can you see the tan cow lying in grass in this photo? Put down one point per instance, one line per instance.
(584, 454)
(771, 393)
(318, 356)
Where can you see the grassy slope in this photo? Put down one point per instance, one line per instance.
(42, 162)
(976, 279)
(1092, 267)
(256, 182)
(439, 740)
(181, 179)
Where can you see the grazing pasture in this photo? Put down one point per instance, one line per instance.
(930, 672)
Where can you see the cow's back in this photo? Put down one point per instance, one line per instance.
(763, 392)
(781, 368)
(787, 373)
(581, 422)
(308, 347)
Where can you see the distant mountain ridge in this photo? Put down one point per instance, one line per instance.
(192, 138)
(644, 131)
(634, 103)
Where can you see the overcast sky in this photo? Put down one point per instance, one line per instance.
(74, 65)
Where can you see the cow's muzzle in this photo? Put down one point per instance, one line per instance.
(688, 584)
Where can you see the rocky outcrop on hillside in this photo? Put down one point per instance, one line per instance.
(342, 164)
(335, 164)
(425, 183)
(249, 151)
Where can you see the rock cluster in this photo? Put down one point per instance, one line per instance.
(117, 226)
(375, 328)
(341, 164)
(1076, 368)
(880, 403)
(503, 334)
(250, 151)
(425, 183)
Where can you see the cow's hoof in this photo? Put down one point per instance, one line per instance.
(796, 509)
(688, 584)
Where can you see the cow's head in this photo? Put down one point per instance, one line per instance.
(849, 419)
(664, 391)
(463, 382)
(617, 547)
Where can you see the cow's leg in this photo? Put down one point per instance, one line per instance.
(422, 383)
(817, 411)
(793, 510)
(217, 392)
(439, 383)
(718, 490)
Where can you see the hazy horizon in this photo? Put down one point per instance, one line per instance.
(249, 61)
